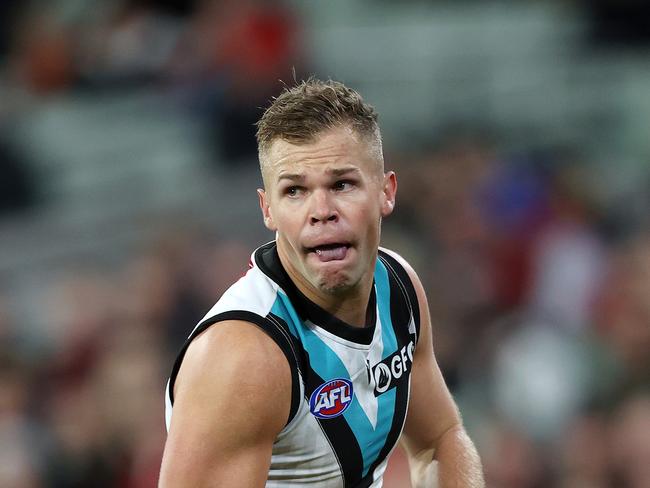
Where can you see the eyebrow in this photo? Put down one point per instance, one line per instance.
(343, 171)
(292, 177)
(336, 172)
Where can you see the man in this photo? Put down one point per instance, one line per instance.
(303, 372)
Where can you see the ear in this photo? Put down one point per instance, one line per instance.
(266, 210)
(388, 194)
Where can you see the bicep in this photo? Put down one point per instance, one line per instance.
(232, 398)
(432, 410)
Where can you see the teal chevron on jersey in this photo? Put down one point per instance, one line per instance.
(383, 304)
(389, 340)
(328, 365)
(282, 308)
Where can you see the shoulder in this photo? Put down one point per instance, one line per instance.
(235, 340)
(237, 360)
(232, 400)
(235, 348)
(402, 262)
(408, 271)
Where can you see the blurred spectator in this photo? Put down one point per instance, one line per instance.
(630, 442)
(172, 285)
(619, 23)
(42, 55)
(568, 256)
(9, 10)
(181, 8)
(78, 309)
(81, 452)
(543, 377)
(132, 367)
(585, 453)
(624, 313)
(241, 50)
(21, 444)
(512, 460)
(128, 45)
(18, 187)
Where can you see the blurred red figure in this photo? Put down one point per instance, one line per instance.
(241, 51)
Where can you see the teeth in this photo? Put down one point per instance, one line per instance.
(319, 251)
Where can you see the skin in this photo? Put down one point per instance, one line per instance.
(331, 190)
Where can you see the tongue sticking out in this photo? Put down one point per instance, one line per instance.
(333, 253)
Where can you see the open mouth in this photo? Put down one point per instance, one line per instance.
(330, 252)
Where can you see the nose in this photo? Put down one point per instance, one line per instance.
(322, 208)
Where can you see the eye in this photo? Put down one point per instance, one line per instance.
(343, 185)
(292, 191)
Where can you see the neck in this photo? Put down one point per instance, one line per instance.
(350, 305)
(351, 308)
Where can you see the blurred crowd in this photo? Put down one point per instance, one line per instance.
(538, 280)
(81, 399)
(539, 294)
(219, 60)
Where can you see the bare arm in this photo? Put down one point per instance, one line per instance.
(232, 398)
(434, 437)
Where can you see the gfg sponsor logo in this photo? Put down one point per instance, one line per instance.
(331, 399)
(387, 373)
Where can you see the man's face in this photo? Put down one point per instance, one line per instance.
(325, 200)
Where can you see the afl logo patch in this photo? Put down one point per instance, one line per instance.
(331, 399)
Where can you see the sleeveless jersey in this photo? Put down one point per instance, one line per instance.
(350, 385)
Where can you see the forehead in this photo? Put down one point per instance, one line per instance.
(332, 148)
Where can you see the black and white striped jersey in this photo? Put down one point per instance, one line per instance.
(350, 385)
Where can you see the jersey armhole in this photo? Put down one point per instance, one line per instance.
(270, 328)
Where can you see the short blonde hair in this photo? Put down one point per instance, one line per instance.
(300, 113)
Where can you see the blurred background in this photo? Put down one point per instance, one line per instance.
(519, 132)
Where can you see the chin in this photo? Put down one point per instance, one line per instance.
(337, 285)
(335, 289)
